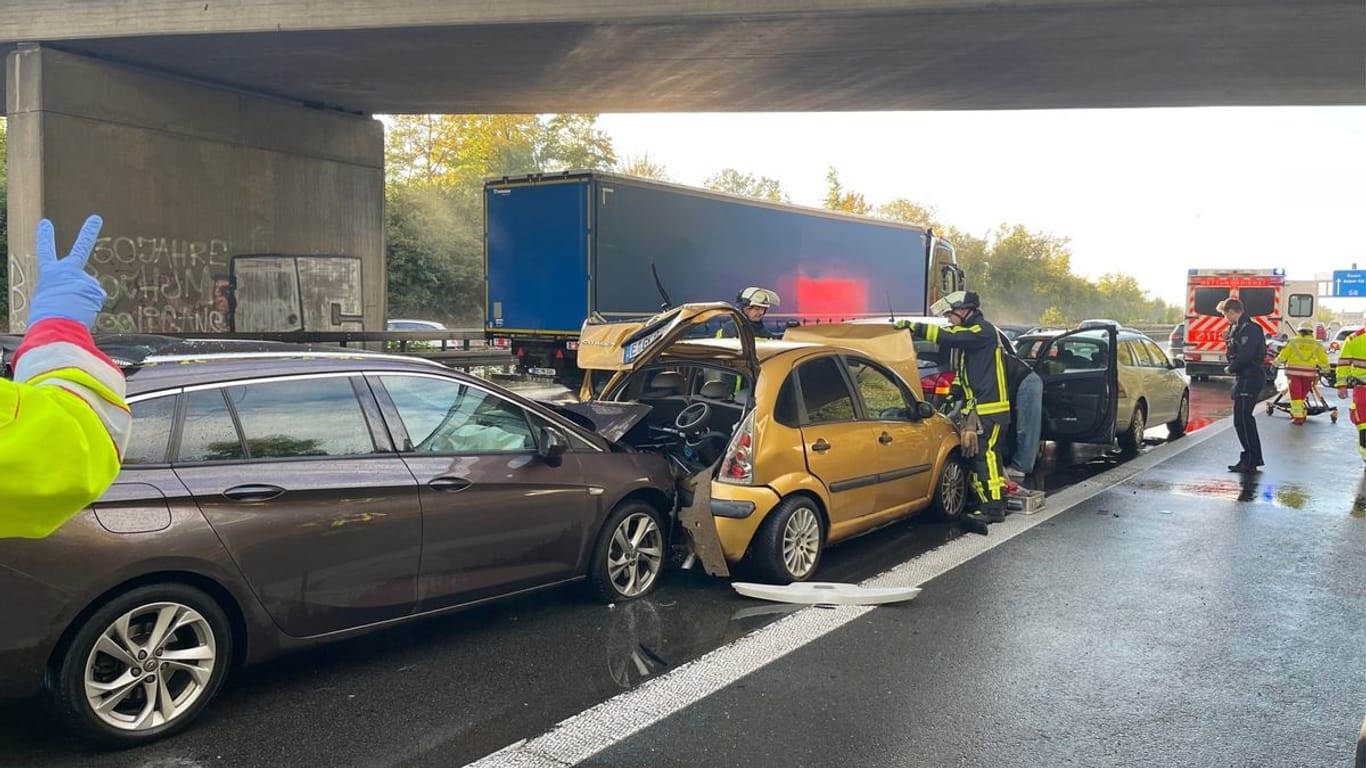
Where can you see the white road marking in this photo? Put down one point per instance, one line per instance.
(578, 738)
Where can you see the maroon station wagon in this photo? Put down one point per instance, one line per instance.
(274, 497)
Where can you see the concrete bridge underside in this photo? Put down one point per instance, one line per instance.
(230, 149)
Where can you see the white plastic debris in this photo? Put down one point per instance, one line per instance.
(825, 593)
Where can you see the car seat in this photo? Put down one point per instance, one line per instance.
(715, 390)
(666, 393)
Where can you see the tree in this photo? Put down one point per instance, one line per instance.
(837, 199)
(643, 167)
(436, 166)
(746, 184)
(906, 211)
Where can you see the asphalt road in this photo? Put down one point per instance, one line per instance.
(450, 690)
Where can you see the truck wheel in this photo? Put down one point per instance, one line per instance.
(788, 547)
(142, 666)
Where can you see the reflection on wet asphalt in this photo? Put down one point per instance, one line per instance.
(450, 690)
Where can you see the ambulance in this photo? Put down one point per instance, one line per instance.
(1263, 294)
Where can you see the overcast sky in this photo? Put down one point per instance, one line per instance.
(1149, 192)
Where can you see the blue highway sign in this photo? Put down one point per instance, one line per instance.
(1349, 282)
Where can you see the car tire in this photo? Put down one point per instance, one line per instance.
(1131, 439)
(1177, 428)
(630, 554)
(116, 653)
(789, 545)
(951, 491)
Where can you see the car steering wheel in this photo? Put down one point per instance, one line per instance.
(693, 416)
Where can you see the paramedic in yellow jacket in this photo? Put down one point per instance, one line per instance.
(1351, 372)
(1303, 357)
(63, 420)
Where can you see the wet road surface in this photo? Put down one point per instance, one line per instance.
(450, 690)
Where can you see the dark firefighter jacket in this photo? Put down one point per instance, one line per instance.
(980, 368)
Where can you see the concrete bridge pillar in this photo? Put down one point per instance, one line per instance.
(222, 210)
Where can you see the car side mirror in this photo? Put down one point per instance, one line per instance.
(552, 446)
(923, 410)
(1178, 363)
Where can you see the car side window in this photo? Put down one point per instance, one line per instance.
(151, 440)
(1126, 354)
(785, 409)
(883, 398)
(1156, 354)
(825, 393)
(448, 416)
(208, 432)
(293, 418)
(1074, 354)
(1141, 358)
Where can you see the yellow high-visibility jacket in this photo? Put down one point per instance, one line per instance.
(1352, 359)
(1303, 356)
(63, 428)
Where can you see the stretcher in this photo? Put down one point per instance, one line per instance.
(1315, 404)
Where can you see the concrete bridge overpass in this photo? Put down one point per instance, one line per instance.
(230, 143)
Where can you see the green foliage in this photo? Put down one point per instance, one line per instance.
(436, 166)
(643, 167)
(837, 199)
(906, 211)
(747, 184)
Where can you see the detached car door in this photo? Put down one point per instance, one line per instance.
(299, 482)
(497, 517)
(1080, 386)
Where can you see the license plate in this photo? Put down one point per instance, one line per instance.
(635, 348)
(541, 371)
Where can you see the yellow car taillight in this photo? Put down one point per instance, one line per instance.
(737, 466)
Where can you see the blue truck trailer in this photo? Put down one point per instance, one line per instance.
(560, 248)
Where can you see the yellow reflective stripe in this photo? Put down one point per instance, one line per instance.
(932, 333)
(994, 480)
(993, 409)
(1001, 375)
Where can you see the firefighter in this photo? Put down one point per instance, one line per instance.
(1246, 361)
(1351, 372)
(63, 420)
(1303, 358)
(981, 370)
(755, 302)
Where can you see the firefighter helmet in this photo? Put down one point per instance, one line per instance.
(1305, 329)
(757, 297)
(956, 300)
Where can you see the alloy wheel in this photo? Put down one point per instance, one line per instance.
(953, 488)
(149, 666)
(635, 555)
(801, 542)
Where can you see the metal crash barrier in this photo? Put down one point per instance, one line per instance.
(452, 347)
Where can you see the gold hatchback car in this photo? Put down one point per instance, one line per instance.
(781, 446)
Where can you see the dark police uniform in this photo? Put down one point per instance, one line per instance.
(1246, 358)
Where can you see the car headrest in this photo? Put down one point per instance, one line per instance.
(667, 383)
(715, 390)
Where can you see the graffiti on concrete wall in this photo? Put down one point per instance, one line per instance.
(162, 284)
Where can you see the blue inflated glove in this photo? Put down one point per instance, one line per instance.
(65, 289)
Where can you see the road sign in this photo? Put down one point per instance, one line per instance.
(1349, 282)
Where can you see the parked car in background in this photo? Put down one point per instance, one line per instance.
(1102, 384)
(429, 326)
(793, 444)
(275, 497)
(1176, 342)
(1335, 346)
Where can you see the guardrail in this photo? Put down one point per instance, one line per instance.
(456, 347)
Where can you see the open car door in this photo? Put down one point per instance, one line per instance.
(619, 348)
(1080, 386)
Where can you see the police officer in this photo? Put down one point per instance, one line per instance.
(981, 371)
(755, 302)
(63, 420)
(1246, 358)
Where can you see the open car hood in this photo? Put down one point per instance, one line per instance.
(883, 342)
(629, 345)
(611, 420)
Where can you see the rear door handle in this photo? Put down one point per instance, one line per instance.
(449, 484)
(820, 446)
(254, 492)
(885, 439)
